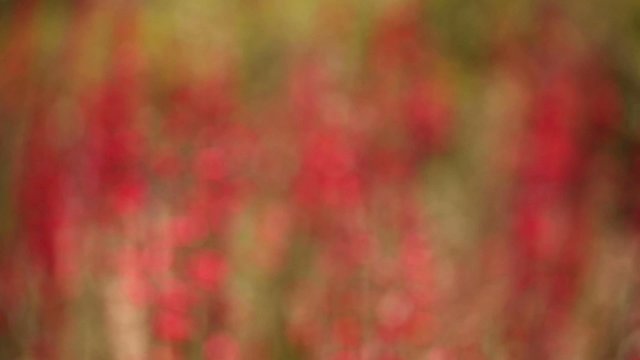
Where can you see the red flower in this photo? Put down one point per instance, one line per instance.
(328, 175)
(173, 326)
(208, 270)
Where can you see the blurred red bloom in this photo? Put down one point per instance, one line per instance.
(207, 269)
(172, 326)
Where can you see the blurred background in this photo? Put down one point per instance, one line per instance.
(302, 179)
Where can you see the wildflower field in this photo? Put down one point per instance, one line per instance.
(319, 179)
